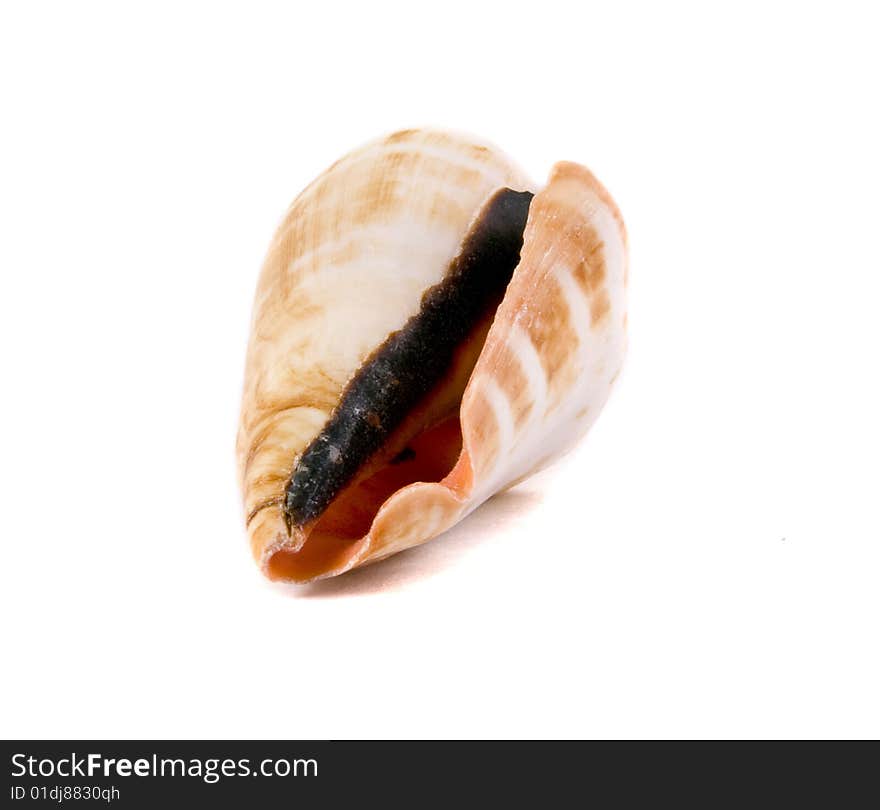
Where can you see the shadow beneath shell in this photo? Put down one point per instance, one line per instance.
(431, 558)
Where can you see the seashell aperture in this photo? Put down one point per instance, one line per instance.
(428, 330)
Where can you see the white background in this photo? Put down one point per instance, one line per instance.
(706, 564)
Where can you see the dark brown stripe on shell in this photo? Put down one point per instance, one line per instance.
(402, 372)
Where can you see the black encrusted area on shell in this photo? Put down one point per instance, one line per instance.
(413, 360)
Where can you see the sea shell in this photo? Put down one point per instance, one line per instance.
(426, 333)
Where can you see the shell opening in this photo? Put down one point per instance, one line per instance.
(397, 422)
(336, 537)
